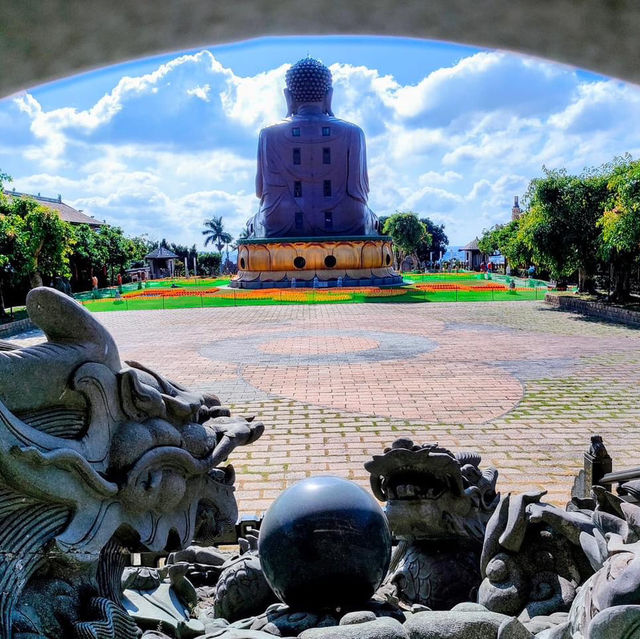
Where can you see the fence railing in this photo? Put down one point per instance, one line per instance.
(234, 297)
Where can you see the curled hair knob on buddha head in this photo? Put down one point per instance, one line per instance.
(308, 81)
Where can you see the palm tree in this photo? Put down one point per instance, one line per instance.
(214, 230)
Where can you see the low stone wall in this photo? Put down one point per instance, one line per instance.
(13, 328)
(595, 309)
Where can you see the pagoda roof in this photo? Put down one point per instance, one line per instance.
(472, 246)
(161, 253)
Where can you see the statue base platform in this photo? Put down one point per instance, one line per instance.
(318, 261)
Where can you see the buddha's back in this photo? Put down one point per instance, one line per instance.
(312, 172)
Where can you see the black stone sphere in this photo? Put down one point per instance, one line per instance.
(324, 543)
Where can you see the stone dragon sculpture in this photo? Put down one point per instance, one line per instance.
(98, 459)
(540, 560)
(438, 504)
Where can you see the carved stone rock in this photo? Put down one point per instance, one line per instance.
(531, 559)
(437, 504)
(464, 625)
(281, 621)
(382, 628)
(242, 589)
(162, 598)
(97, 459)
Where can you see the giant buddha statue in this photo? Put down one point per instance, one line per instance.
(313, 223)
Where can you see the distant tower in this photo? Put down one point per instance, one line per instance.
(516, 211)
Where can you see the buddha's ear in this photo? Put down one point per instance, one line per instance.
(290, 102)
(327, 102)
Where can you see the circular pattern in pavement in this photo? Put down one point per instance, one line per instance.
(311, 345)
(305, 347)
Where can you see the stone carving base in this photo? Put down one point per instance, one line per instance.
(347, 261)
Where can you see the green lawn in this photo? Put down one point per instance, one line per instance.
(309, 296)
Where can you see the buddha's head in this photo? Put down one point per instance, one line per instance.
(308, 82)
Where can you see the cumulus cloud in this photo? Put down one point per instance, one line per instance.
(162, 151)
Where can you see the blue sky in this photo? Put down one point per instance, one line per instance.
(453, 132)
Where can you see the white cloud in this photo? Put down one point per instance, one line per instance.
(434, 177)
(162, 151)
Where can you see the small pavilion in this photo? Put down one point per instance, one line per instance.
(161, 263)
(474, 255)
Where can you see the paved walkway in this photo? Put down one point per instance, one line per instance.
(521, 383)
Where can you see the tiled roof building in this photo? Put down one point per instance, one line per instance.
(67, 213)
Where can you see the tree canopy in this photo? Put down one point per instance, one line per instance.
(36, 245)
(584, 225)
(506, 240)
(435, 241)
(34, 241)
(560, 227)
(620, 223)
(408, 234)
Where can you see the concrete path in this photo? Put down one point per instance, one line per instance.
(521, 383)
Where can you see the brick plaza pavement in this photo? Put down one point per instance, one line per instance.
(523, 384)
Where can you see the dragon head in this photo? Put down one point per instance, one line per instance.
(94, 452)
(432, 493)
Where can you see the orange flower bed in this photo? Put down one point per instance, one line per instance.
(434, 288)
(310, 295)
(372, 291)
(438, 287)
(169, 292)
(233, 294)
(383, 292)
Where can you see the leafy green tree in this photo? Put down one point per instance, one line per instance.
(408, 233)
(210, 262)
(89, 255)
(104, 252)
(118, 250)
(7, 235)
(11, 249)
(438, 243)
(506, 240)
(620, 224)
(187, 254)
(41, 242)
(140, 247)
(560, 227)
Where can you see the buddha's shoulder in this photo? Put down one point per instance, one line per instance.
(290, 123)
(344, 125)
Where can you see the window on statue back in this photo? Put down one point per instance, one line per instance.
(326, 155)
(295, 132)
(326, 131)
(298, 219)
(297, 189)
(328, 219)
(296, 156)
(327, 188)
